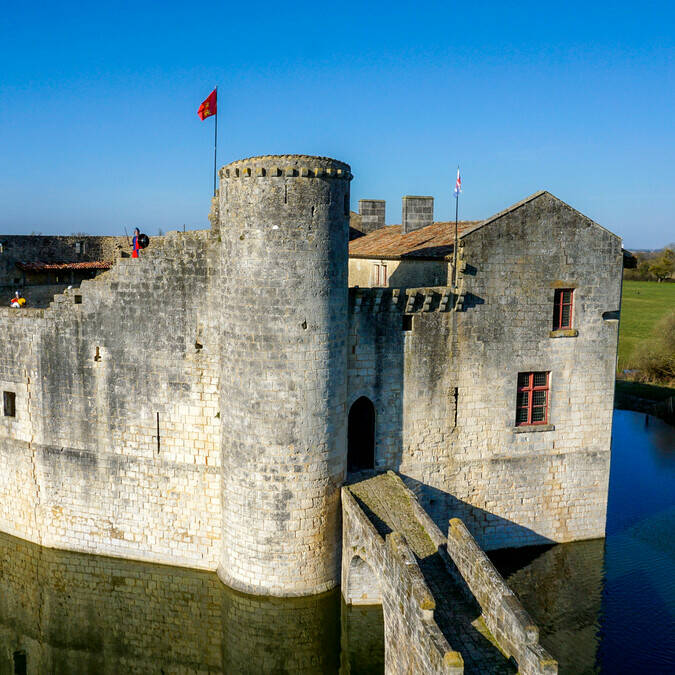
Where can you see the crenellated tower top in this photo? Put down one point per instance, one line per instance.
(302, 166)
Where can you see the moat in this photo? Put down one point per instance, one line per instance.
(601, 606)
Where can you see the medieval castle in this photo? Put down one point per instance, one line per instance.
(203, 406)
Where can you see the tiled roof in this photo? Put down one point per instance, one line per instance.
(67, 266)
(432, 241)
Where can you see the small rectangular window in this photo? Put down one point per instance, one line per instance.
(532, 398)
(407, 322)
(9, 403)
(379, 275)
(562, 308)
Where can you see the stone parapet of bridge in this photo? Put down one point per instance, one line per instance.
(503, 613)
(445, 606)
(383, 570)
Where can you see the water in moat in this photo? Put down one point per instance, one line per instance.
(64, 612)
(608, 606)
(602, 606)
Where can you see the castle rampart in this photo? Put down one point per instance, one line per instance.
(114, 447)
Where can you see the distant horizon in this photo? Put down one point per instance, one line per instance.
(101, 129)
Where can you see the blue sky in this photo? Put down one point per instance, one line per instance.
(98, 124)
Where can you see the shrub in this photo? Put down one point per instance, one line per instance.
(655, 357)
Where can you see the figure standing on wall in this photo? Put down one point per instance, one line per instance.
(135, 243)
(17, 301)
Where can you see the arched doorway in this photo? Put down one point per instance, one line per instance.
(361, 435)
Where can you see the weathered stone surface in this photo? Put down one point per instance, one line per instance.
(416, 212)
(445, 391)
(446, 608)
(372, 212)
(190, 407)
(283, 373)
(83, 467)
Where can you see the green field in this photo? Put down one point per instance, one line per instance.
(642, 305)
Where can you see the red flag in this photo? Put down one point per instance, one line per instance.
(209, 106)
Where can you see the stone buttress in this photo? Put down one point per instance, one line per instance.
(284, 237)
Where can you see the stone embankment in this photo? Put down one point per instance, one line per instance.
(446, 608)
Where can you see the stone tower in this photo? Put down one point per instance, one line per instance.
(284, 235)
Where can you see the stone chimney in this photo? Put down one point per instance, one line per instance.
(417, 212)
(372, 214)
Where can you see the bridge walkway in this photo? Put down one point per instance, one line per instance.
(389, 507)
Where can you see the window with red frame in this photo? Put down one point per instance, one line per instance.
(562, 308)
(532, 401)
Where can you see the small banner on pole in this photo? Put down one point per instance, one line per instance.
(209, 106)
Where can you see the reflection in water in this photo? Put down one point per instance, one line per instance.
(561, 588)
(362, 640)
(609, 605)
(73, 613)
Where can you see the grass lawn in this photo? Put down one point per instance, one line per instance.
(642, 305)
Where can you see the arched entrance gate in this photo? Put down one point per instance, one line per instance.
(361, 435)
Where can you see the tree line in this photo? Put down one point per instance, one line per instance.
(653, 265)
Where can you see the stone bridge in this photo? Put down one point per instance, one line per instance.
(446, 608)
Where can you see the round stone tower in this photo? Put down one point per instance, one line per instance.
(284, 228)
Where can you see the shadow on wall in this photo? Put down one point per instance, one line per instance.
(38, 297)
(415, 273)
(375, 379)
(456, 609)
(502, 532)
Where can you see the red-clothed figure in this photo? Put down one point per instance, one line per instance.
(135, 243)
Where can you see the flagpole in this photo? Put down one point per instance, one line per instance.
(454, 253)
(215, 144)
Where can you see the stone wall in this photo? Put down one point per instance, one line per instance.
(445, 390)
(413, 618)
(98, 376)
(372, 212)
(399, 368)
(503, 614)
(40, 287)
(416, 212)
(41, 248)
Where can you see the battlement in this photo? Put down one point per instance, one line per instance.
(290, 166)
(406, 300)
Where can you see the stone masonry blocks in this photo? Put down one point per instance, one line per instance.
(284, 339)
(417, 212)
(372, 212)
